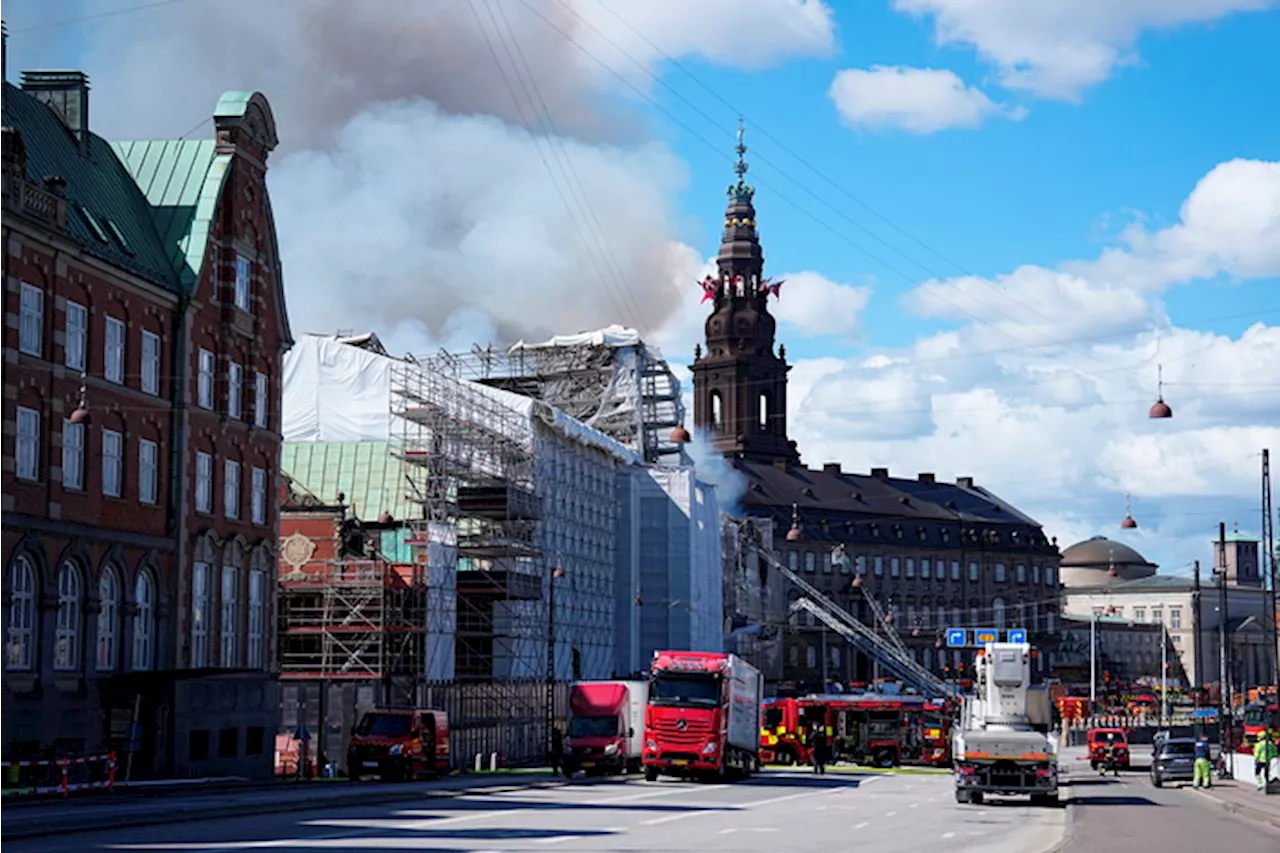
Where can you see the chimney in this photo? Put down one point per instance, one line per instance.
(880, 473)
(67, 92)
(927, 479)
(964, 482)
(831, 468)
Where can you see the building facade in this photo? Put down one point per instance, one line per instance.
(145, 325)
(1110, 580)
(934, 554)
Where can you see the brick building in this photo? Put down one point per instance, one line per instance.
(934, 554)
(144, 330)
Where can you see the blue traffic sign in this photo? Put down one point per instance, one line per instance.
(1017, 635)
(982, 636)
(957, 637)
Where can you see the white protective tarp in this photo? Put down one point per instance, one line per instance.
(335, 391)
(610, 336)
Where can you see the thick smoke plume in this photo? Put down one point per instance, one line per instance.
(412, 188)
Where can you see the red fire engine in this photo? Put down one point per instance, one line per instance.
(883, 730)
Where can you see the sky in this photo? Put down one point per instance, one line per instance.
(1000, 221)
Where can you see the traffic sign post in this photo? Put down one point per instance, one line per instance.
(976, 638)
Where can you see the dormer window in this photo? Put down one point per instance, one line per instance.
(242, 283)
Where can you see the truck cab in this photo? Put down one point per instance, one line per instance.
(396, 744)
(606, 727)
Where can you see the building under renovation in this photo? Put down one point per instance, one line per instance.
(541, 548)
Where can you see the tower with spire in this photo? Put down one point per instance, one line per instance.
(739, 380)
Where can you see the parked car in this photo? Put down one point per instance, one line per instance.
(1174, 760)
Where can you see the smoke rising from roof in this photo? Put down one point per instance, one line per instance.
(412, 186)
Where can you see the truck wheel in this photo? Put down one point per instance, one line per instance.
(962, 796)
(651, 774)
(1041, 801)
(786, 758)
(975, 797)
(883, 759)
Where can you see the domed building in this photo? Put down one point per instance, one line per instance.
(1110, 587)
(1100, 561)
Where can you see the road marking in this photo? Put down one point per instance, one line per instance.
(914, 806)
(890, 814)
(657, 820)
(555, 838)
(948, 835)
(772, 800)
(864, 823)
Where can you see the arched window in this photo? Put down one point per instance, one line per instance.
(201, 598)
(997, 612)
(143, 620)
(22, 615)
(108, 618)
(66, 651)
(717, 409)
(255, 649)
(764, 411)
(229, 613)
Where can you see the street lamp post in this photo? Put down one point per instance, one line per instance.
(1093, 663)
(1224, 689)
(551, 657)
(1164, 675)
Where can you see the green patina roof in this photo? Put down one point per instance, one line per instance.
(107, 214)
(365, 471)
(182, 180)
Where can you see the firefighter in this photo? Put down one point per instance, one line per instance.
(818, 748)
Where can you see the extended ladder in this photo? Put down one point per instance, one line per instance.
(891, 654)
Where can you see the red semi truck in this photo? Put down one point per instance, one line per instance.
(606, 726)
(703, 716)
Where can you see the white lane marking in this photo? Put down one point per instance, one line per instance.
(734, 829)
(555, 838)
(948, 835)
(914, 806)
(890, 814)
(864, 823)
(667, 819)
(773, 800)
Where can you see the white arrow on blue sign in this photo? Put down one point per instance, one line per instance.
(1017, 635)
(957, 637)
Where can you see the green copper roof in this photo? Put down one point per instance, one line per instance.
(232, 104)
(106, 213)
(365, 471)
(182, 179)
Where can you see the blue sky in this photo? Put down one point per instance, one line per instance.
(1103, 176)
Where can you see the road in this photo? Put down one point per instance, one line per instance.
(1128, 814)
(777, 811)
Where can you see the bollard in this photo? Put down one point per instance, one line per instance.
(493, 761)
(479, 762)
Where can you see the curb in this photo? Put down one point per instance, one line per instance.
(1254, 814)
(1070, 806)
(178, 815)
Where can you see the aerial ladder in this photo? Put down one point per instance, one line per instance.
(887, 650)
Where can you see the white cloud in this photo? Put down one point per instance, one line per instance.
(1041, 389)
(1057, 48)
(919, 100)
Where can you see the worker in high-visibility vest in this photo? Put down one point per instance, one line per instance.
(1264, 751)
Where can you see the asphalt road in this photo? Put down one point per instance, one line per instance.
(777, 811)
(1127, 814)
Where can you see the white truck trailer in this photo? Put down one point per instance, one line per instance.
(1002, 745)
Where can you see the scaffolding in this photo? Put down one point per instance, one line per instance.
(352, 619)
(609, 380)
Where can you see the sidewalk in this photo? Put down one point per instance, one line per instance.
(108, 809)
(1242, 797)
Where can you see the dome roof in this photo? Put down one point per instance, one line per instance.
(1087, 563)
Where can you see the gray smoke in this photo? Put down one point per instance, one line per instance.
(426, 144)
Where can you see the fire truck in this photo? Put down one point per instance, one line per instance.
(882, 730)
(1259, 715)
